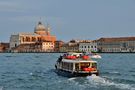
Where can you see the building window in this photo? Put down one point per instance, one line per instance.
(15, 45)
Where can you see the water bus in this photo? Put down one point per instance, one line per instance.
(73, 64)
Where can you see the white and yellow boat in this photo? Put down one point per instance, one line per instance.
(76, 65)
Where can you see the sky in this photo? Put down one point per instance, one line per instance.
(69, 19)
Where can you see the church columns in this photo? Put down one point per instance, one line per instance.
(33, 39)
(30, 39)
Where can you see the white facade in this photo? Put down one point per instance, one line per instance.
(88, 46)
(17, 39)
(14, 41)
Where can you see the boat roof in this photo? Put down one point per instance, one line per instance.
(78, 61)
(73, 53)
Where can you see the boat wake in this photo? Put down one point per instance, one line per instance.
(70, 79)
(99, 81)
(1, 88)
(95, 79)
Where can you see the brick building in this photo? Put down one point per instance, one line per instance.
(4, 47)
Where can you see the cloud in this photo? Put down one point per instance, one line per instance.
(32, 18)
(15, 6)
(8, 6)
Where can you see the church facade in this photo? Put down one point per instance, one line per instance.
(39, 41)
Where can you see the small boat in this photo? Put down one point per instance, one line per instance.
(95, 56)
(71, 65)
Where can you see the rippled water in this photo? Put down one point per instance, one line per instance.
(35, 71)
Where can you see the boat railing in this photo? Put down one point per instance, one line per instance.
(74, 57)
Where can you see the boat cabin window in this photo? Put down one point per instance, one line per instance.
(68, 66)
(84, 65)
(77, 66)
(87, 65)
(94, 65)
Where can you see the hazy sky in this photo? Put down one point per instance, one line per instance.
(69, 19)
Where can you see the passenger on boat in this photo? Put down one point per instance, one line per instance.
(60, 58)
(64, 55)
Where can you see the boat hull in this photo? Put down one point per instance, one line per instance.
(74, 74)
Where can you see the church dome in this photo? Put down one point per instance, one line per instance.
(40, 28)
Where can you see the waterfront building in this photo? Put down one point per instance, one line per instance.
(35, 47)
(71, 46)
(88, 46)
(117, 44)
(58, 45)
(4, 47)
(41, 36)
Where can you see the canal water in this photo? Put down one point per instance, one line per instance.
(35, 71)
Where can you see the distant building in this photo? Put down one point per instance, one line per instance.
(117, 44)
(71, 46)
(88, 46)
(35, 47)
(58, 45)
(4, 47)
(40, 36)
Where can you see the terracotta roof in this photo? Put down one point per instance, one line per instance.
(117, 39)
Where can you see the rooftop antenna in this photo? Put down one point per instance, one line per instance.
(40, 21)
(40, 18)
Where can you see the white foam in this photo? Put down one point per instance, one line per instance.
(70, 79)
(114, 72)
(96, 80)
(1, 88)
(31, 73)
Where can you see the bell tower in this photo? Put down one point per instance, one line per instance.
(48, 30)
